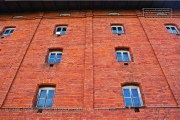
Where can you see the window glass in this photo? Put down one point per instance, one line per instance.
(128, 102)
(61, 30)
(49, 103)
(136, 101)
(114, 30)
(8, 31)
(41, 102)
(126, 57)
(134, 92)
(55, 57)
(126, 93)
(11, 31)
(45, 98)
(58, 57)
(132, 96)
(117, 29)
(120, 30)
(119, 57)
(52, 55)
(43, 94)
(123, 56)
(51, 94)
(58, 30)
(172, 29)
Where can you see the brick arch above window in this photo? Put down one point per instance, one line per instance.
(123, 54)
(7, 31)
(172, 28)
(54, 55)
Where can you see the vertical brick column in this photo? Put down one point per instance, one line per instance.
(18, 44)
(88, 81)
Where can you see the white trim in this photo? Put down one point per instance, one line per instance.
(59, 32)
(113, 13)
(44, 88)
(117, 28)
(3, 34)
(122, 51)
(171, 29)
(56, 52)
(16, 17)
(129, 87)
(65, 15)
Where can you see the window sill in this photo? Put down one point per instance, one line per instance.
(118, 33)
(5, 36)
(132, 107)
(52, 64)
(126, 63)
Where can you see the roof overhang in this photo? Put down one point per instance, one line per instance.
(61, 5)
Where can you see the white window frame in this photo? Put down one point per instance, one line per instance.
(139, 94)
(113, 13)
(117, 28)
(122, 51)
(65, 15)
(59, 33)
(45, 88)
(9, 34)
(171, 31)
(56, 52)
(18, 17)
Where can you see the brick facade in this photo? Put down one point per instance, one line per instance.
(88, 81)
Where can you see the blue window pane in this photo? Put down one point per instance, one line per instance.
(58, 60)
(128, 102)
(168, 28)
(119, 57)
(49, 103)
(174, 30)
(59, 55)
(126, 57)
(134, 93)
(120, 30)
(136, 101)
(58, 29)
(43, 94)
(51, 94)
(126, 92)
(11, 31)
(114, 30)
(41, 103)
(63, 32)
(6, 31)
(51, 60)
(52, 55)
(64, 29)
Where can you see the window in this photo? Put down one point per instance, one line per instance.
(113, 13)
(117, 29)
(60, 30)
(132, 96)
(64, 15)
(45, 97)
(17, 16)
(8, 31)
(172, 29)
(54, 57)
(123, 56)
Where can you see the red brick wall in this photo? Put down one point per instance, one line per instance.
(89, 76)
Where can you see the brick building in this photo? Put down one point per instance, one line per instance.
(89, 60)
